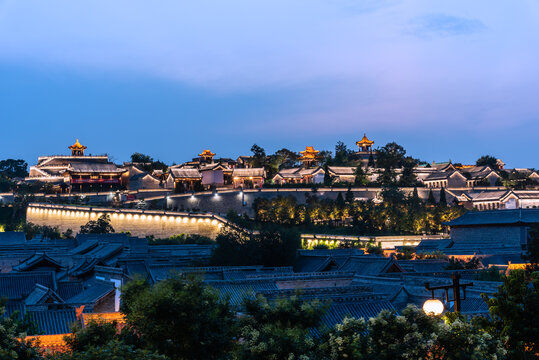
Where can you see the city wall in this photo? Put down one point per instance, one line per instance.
(141, 223)
(222, 201)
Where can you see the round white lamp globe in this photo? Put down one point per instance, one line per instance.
(433, 307)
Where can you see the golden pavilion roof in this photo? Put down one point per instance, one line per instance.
(206, 153)
(77, 145)
(309, 153)
(365, 141)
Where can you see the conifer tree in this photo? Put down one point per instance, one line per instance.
(415, 200)
(431, 200)
(340, 200)
(443, 200)
(327, 177)
(371, 162)
(361, 177)
(349, 197)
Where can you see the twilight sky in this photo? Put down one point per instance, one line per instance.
(445, 79)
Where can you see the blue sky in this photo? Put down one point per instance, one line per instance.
(447, 80)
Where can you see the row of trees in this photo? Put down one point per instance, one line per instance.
(397, 214)
(182, 319)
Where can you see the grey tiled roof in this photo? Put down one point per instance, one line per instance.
(12, 237)
(472, 306)
(255, 172)
(423, 266)
(237, 291)
(185, 173)
(53, 321)
(489, 195)
(41, 294)
(364, 309)
(19, 285)
(369, 265)
(68, 289)
(342, 170)
(497, 217)
(440, 175)
(94, 290)
(83, 167)
(37, 259)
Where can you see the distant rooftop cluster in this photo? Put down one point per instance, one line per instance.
(61, 282)
(481, 187)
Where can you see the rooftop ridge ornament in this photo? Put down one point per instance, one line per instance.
(77, 149)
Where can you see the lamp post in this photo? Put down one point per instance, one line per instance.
(455, 286)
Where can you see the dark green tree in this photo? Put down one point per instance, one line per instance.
(349, 197)
(371, 163)
(141, 158)
(289, 159)
(415, 201)
(341, 154)
(339, 201)
(100, 226)
(361, 177)
(180, 317)
(10, 346)
(11, 168)
(389, 158)
(325, 157)
(327, 177)
(112, 349)
(514, 315)
(95, 333)
(259, 156)
(408, 177)
(487, 160)
(281, 329)
(431, 200)
(147, 163)
(443, 200)
(532, 253)
(273, 246)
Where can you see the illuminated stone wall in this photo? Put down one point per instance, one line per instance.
(139, 223)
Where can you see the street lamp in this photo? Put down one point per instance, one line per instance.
(432, 306)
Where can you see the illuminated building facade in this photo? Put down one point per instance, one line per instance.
(309, 157)
(365, 151)
(252, 178)
(77, 172)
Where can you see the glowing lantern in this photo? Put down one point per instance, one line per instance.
(433, 307)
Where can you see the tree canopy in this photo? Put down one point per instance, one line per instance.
(13, 168)
(487, 160)
(180, 318)
(100, 226)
